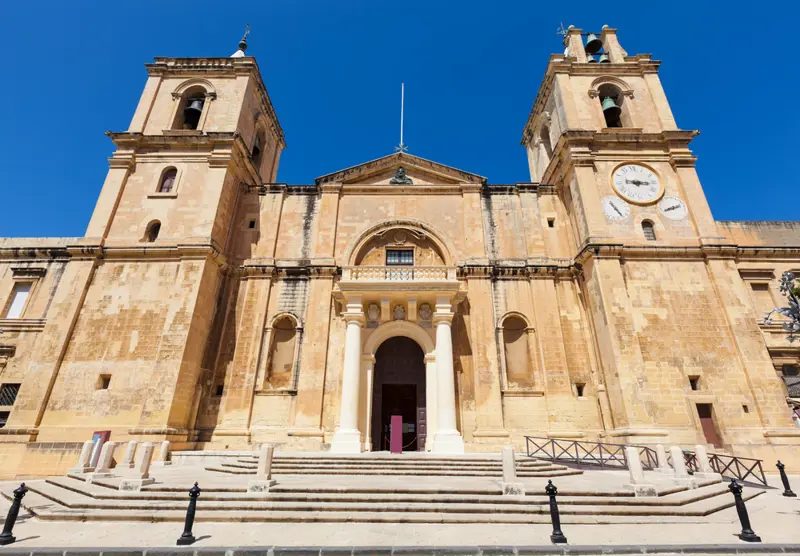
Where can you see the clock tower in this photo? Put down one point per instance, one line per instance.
(651, 263)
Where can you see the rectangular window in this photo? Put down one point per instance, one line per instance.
(399, 257)
(763, 297)
(4, 418)
(104, 382)
(694, 382)
(220, 390)
(19, 296)
(579, 388)
(8, 394)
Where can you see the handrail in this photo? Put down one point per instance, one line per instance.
(734, 467)
(587, 453)
(613, 455)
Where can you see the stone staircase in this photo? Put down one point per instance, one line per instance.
(384, 464)
(363, 500)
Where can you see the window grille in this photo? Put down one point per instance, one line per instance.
(8, 394)
(399, 257)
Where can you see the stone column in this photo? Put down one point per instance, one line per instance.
(83, 460)
(430, 399)
(141, 474)
(663, 463)
(704, 469)
(103, 469)
(510, 483)
(163, 454)
(347, 438)
(263, 479)
(447, 439)
(679, 466)
(638, 484)
(130, 451)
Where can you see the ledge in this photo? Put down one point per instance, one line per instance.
(22, 325)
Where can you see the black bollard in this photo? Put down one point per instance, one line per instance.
(187, 537)
(6, 537)
(787, 489)
(557, 537)
(747, 533)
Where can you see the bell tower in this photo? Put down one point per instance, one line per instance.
(601, 130)
(204, 127)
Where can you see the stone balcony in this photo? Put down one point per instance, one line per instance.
(399, 278)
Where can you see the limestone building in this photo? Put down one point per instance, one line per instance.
(210, 306)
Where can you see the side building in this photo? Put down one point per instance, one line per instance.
(210, 306)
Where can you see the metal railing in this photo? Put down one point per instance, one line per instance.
(608, 455)
(398, 273)
(732, 467)
(587, 453)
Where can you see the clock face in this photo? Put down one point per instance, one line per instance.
(673, 208)
(637, 184)
(615, 208)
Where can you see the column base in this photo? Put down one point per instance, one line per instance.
(260, 485)
(135, 485)
(346, 442)
(448, 443)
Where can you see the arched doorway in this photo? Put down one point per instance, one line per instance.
(398, 388)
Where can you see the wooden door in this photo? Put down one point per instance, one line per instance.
(422, 428)
(707, 423)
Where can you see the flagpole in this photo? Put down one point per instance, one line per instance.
(402, 112)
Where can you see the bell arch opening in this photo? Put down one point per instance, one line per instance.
(398, 389)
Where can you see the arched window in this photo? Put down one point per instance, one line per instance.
(648, 230)
(544, 137)
(190, 108)
(167, 182)
(611, 101)
(258, 150)
(280, 365)
(519, 368)
(151, 234)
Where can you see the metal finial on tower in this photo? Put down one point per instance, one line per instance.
(401, 147)
(242, 44)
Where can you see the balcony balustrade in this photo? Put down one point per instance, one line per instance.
(398, 273)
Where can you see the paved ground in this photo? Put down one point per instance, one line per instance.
(775, 518)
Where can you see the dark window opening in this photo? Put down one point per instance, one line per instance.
(551, 222)
(104, 382)
(745, 409)
(258, 149)
(220, 389)
(648, 230)
(251, 224)
(8, 394)
(192, 112)
(152, 231)
(790, 370)
(579, 389)
(4, 418)
(694, 382)
(399, 257)
(167, 181)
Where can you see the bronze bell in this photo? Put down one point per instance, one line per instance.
(593, 44)
(610, 108)
(591, 59)
(604, 59)
(195, 106)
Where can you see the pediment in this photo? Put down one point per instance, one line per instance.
(384, 171)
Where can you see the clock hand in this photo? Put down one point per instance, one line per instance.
(673, 207)
(616, 209)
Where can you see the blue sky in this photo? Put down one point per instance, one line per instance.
(333, 69)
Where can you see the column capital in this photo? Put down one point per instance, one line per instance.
(443, 317)
(354, 316)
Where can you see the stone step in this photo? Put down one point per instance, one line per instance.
(556, 472)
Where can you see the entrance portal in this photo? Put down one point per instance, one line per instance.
(398, 388)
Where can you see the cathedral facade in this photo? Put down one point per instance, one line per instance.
(213, 307)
